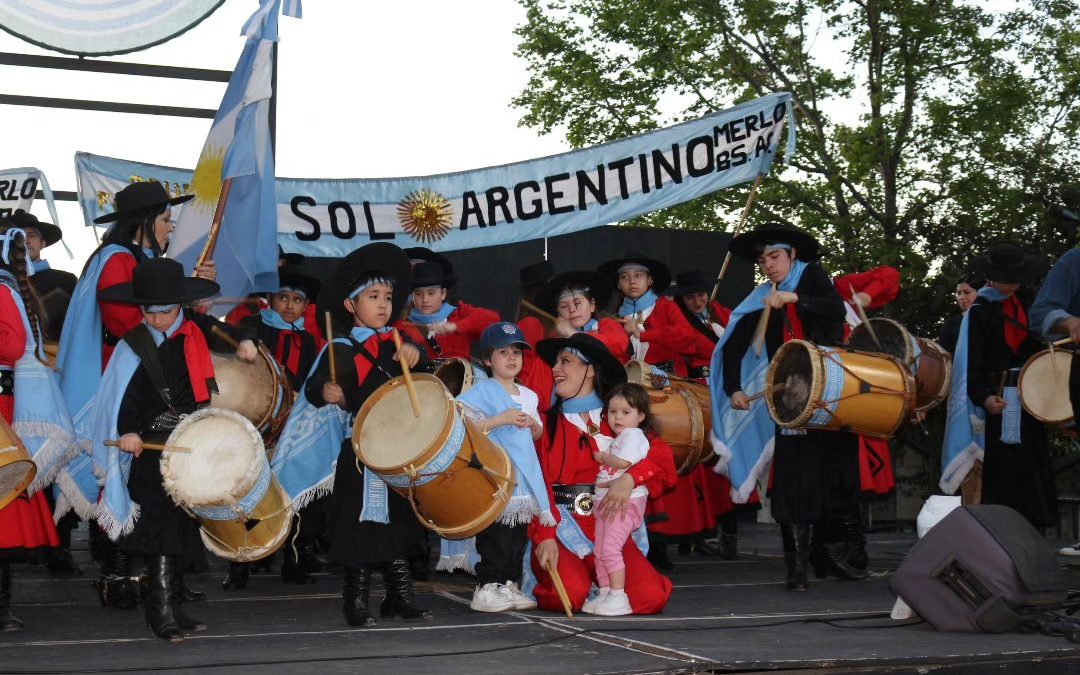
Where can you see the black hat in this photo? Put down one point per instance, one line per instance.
(381, 258)
(1007, 263)
(429, 274)
(422, 254)
(288, 278)
(139, 196)
(536, 273)
(290, 259)
(749, 245)
(49, 232)
(547, 298)
(611, 371)
(689, 282)
(159, 281)
(659, 272)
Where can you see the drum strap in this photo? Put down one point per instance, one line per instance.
(142, 343)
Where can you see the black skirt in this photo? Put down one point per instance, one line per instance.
(354, 543)
(1019, 476)
(815, 476)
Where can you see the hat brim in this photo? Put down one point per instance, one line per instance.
(382, 257)
(192, 289)
(612, 372)
(50, 233)
(309, 284)
(746, 245)
(427, 255)
(547, 298)
(115, 215)
(689, 289)
(660, 273)
(1024, 273)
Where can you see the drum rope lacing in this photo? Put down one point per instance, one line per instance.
(871, 388)
(243, 549)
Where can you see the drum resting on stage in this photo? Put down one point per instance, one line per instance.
(1044, 387)
(259, 391)
(683, 411)
(459, 375)
(457, 480)
(17, 469)
(928, 361)
(226, 482)
(814, 387)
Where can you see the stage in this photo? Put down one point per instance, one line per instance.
(724, 616)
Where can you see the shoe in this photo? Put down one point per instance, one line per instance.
(400, 600)
(117, 586)
(855, 540)
(796, 540)
(8, 621)
(189, 594)
(491, 597)
(159, 599)
(818, 560)
(836, 554)
(182, 619)
(589, 606)
(312, 561)
(729, 538)
(292, 570)
(61, 563)
(614, 603)
(522, 602)
(236, 577)
(1073, 550)
(355, 594)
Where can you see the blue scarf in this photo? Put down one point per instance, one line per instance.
(438, 316)
(965, 422)
(647, 300)
(40, 418)
(590, 326)
(40, 265)
(362, 333)
(744, 438)
(274, 320)
(582, 404)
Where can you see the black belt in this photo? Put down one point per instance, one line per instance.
(699, 373)
(1012, 378)
(578, 496)
(7, 382)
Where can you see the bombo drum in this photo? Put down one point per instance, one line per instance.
(682, 409)
(17, 469)
(457, 480)
(226, 483)
(259, 391)
(1044, 387)
(814, 387)
(459, 375)
(929, 363)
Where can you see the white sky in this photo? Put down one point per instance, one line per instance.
(366, 89)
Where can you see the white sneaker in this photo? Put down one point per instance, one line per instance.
(614, 603)
(491, 598)
(589, 606)
(520, 600)
(1071, 550)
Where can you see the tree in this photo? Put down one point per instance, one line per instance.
(926, 128)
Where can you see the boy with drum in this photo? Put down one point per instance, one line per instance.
(370, 526)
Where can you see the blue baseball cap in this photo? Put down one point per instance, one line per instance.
(502, 334)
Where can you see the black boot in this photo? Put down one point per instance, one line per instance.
(189, 594)
(8, 621)
(263, 565)
(729, 537)
(658, 553)
(182, 619)
(818, 559)
(292, 570)
(310, 558)
(855, 539)
(237, 576)
(160, 598)
(836, 553)
(61, 563)
(355, 594)
(400, 599)
(419, 568)
(117, 586)
(796, 540)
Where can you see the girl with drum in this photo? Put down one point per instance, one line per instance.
(815, 472)
(583, 369)
(160, 371)
(26, 522)
(449, 331)
(370, 527)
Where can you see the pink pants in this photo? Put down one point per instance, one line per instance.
(611, 537)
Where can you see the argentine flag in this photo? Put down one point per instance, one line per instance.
(238, 147)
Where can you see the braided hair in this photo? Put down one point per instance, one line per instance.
(31, 301)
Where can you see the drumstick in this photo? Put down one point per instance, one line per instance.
(152, 446)
(330, 348)
(1062, 341)
(407, 375)
(225, 337)
(763, 323)
(536, 310)
(767, 390)
(560, 589)
(865, 321)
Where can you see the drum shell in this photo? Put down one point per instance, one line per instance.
(233, 540)
(932, 375)
(259, 391)
(458, 502)
(684, 414)
(1044, 387)
(459, 375)
(17, 468)
(871, 413)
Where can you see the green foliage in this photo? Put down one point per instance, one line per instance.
(926, 128)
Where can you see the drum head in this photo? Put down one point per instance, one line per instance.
(248, 388)
(226, 459)
(390, 435)
(14, 477)
(895, 339)
(1044, 387)
(793, 369)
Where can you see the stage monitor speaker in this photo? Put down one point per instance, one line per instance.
(978, 570)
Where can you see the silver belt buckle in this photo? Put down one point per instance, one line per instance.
(583, 504)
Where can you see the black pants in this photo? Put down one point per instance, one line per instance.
(501, 548)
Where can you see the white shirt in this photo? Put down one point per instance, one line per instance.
(528, 402)
(641, 348)
(632, 446)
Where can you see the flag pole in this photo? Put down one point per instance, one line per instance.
(215, 226)
(738, 228)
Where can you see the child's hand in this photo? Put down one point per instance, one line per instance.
(131, 444)
(333, 394)
(410, 352)
(246, 351)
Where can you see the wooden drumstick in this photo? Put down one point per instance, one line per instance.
(407, 374)
(767, 390)
(763, 323)
(536, 310)
(560, 589)
(152, 446)
(1062, 341)
(225, 337)
(865, 321)
(330, 348)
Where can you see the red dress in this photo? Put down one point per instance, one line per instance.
(565, 461)
(27, 521)
(470, 321)
(668, 333)
(536, 375)
(117, 317)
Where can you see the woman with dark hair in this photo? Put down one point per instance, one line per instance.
(583, 369)
(575, 298)
(967, 287)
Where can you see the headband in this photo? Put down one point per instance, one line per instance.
(576, 352)
(290, 289)
(776, 246)
(155, 309)
(9, 237)
(375, 281)
(571, 292)
(632, 266)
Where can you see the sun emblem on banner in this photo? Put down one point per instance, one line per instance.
(206, 183)
(425, 215)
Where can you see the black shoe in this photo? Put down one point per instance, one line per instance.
(312, 561)
(355, 594)
(182, 619)
(836, 554)
(189, 594)
(705, 548)
(292, 570)
(160, 598)
(400, 598)
(117, 586)
(855, 540)
(61, 563)
(237, 576)
(8, 621)
(796, 540)
(729, 537)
